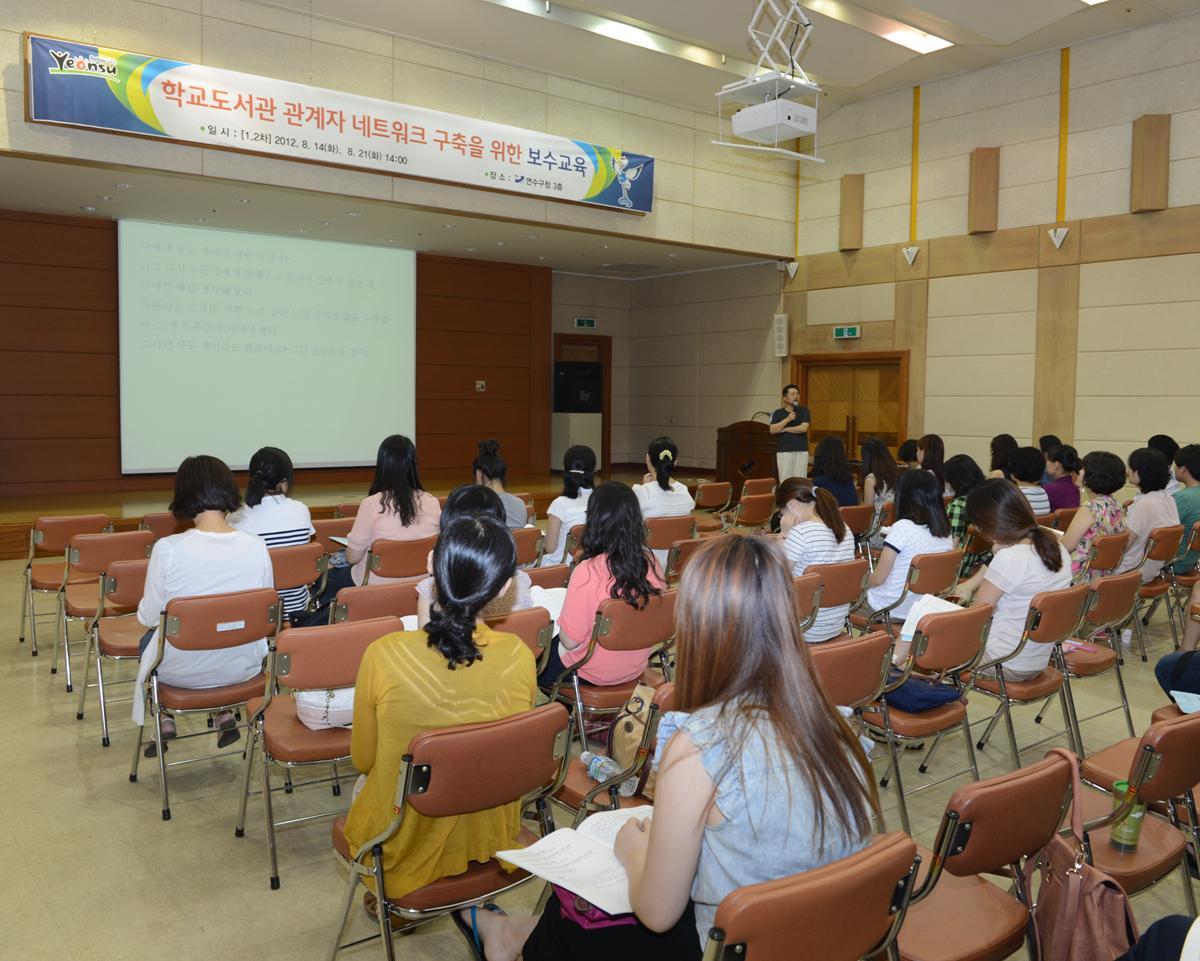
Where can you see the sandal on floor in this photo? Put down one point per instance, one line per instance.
(227, 725)
(169, 733)
(471, 931)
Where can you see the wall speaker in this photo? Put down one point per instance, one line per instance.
(781, 335)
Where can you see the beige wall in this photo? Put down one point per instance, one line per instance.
(703, 194)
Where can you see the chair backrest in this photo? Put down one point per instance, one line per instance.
(94, 553)
(552, 575)
(1063, 517)
(331, 527)
(889, 513)
(460, 770)
(1107, 550)
(1162, 543)
(1177, 742)
(947, 499)
(681, 553)
(377, 600)
(752, 486)
(935, 573)
(389, 558)
(297, 565)
(852, 671)
(52, 535)
(164, 524)
(1044, 520)
(807, 590)
(974, 542)
(531, 542)
(125, 582)
(987, 835)
(328, 655)
(532, 625)
(1112, 601)
(842, 583)
(755, 510)
(216, 621)
(662, 532)
(713, 496)
(1054, 615)
(858, 518)
(844, 911)
(574, 541)
(346, 510)
(1193, 543)
(530, 508)
(620, 627)
(954, 639)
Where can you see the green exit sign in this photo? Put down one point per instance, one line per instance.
(585, 322)
(847, 333)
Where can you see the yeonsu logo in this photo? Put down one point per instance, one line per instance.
(92, 65)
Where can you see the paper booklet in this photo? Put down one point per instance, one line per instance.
(1188, 702)
(924, 604)
(582, 859)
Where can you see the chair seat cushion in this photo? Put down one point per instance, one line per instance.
(704, 525)
(1159, 849)
(1105, 768)
(577, 784)
(1090, 660)
(963, 919)
(1156, 588)
(599, 698)
(210, 698)
(1165, 713)
(81, 601)
(1043, 685)
(48, 575)
(120, 636)
(922, 723)
(476, 882)
(287, 739)
(1187, 580)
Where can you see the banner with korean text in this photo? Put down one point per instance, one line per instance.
(83, 85)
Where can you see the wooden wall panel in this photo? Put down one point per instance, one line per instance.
(983, 198)
(34, 372)
(1150, 163)
(457, 382)
(483, 351)
(871, 265)
(1159, 233)
(850, 212)
(466, 314)
(44, 285)
(912, 325)
(1013, 249)
(52, 329)
(1055, 357)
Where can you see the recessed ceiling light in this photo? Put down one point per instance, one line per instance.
(88, 208)
(499, 243)
(541, 258)
(469, 250)
(201, 220)
(298, 230)
(123, 186)
(1092, 3)
(917, 40)
(604, 246)
(353, 213)
(325, 223)
(531, 236)
(103, 197)
(672, 256)
(449, 226)
(245, 200)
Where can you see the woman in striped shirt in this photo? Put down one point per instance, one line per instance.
(272, 515)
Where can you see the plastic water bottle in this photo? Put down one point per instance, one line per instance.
(601, 767)
(1127, 637)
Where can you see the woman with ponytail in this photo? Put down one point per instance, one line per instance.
(491, 471)
(1027, 559)
(456, 671)
(570, 507)
(814, 533)
(658, 495)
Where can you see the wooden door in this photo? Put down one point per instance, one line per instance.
(854, 401)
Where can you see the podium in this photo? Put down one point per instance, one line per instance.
(744, 449)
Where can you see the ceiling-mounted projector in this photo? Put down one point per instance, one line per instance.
(775, 121)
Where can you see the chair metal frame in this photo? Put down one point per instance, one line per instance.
(1179, 596)
(321, 571)
(1099, 545)
(910, 584)
(1154, 541)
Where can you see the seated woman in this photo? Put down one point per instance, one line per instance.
(570, 507)
(615, 563)
(456, 671)
(1025, 467)
(396, 508)
(1102, 475)
(814, 533)
(963, 475)
(879, 473)
(1180, 670)
(658, 495)
(210, 558)
(906, 455)
(491, 471)
(1026, 560)
(1062, 467)
(277, 518)
(472, 500)
(831, 471)
(759, 776)
(931, 452)
(1003, 447)
(921, 527)
(1152, 507)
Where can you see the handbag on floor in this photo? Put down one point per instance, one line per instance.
(625, 736)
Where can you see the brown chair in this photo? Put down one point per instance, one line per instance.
(116, 638)
(399, 559)
(574, 544)
(618, 627)
(320, 658)
(1103, 557)
(530, 507)
(163, 524)
(714, 498)
(973, 544)
(935, 573)
(1063, 517)
(398, 599)
(300, 565)
(349, 509)
(944, 646)
(1162, 545)
(663, 532)
(550, 576)
(1181, 584)
(753, 486)
(681, 552)
(208, 623)
(1052, 619)
(93, 555)
(842, 585)
(859, 519)
(1046, 520)
(852, 672)
(955, 913)
(843, 911)
(754, 512)
(807, 590)
(330, 528)
(533, 626)
(456, 771)
(531, 544)
(51, 536)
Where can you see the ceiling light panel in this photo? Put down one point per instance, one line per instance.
(885, 27)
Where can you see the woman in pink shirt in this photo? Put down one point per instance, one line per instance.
(615, 563)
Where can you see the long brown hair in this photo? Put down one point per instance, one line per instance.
(739, 643)
(935, 456)
(801, 489)
(1003, 515)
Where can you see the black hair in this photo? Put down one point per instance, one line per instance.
(396, 478)
(919, 499)
(488, 461)
(1152, 469)
(471, 500)
(826, 506)
(663, 454)
(963, 474)
(472, 560)
(1188, 456)
(1164, 444)
(1066, 457)
(615, 529)
(1048, 442)
(1103, 472)
(579, 468)
(204, 483)
(830, 461)
(1027, 464)
(934, 461)
(878, 460)
(907, 451)
(1002, 514)
(1003, 447)
(269, 467)
(786, 388)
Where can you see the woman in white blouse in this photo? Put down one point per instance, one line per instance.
(658, 495)
(570, 507)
